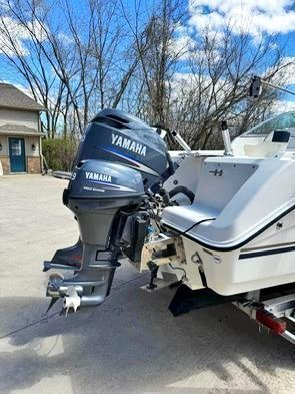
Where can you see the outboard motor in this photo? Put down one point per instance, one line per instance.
(119, 159)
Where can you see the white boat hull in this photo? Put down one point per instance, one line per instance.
(240, 230)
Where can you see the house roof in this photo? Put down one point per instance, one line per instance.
(11, 97)
(13, 129)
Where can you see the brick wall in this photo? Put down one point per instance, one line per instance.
(5, 164)
(34, 164)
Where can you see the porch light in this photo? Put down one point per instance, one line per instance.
(33, 146)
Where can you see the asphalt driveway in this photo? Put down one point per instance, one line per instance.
(129, 344)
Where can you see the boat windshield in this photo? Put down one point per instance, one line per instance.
(283, 121)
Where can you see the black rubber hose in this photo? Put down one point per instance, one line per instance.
(184, 190)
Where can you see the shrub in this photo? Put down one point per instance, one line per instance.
(59, 153)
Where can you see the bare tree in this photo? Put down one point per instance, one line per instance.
(76, 66)
(33, 60)
(70, 73)
(216, 86)
(157, 58)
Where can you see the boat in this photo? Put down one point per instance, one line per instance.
(222, 220)
(239, 232)
(217, 225)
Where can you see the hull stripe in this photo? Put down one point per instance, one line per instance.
(268, 252)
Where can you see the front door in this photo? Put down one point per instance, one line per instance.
(17, 155)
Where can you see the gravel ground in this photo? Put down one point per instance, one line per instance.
(129, 344)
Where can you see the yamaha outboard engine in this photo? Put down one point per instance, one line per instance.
(118, 161)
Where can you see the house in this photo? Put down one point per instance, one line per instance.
(20, 132)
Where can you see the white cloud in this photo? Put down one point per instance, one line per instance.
(38, 29)
(286, 75)
(188, 83)
(9, 28)
(280, 106)
(186, 47)
(181, 46)
(252, 16)
(65, 38)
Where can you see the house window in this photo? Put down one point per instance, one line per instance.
(16, 148)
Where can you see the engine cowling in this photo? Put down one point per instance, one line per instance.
(118, 137)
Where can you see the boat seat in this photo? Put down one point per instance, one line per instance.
(266, 149)
(220, 179)
(182, 218)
